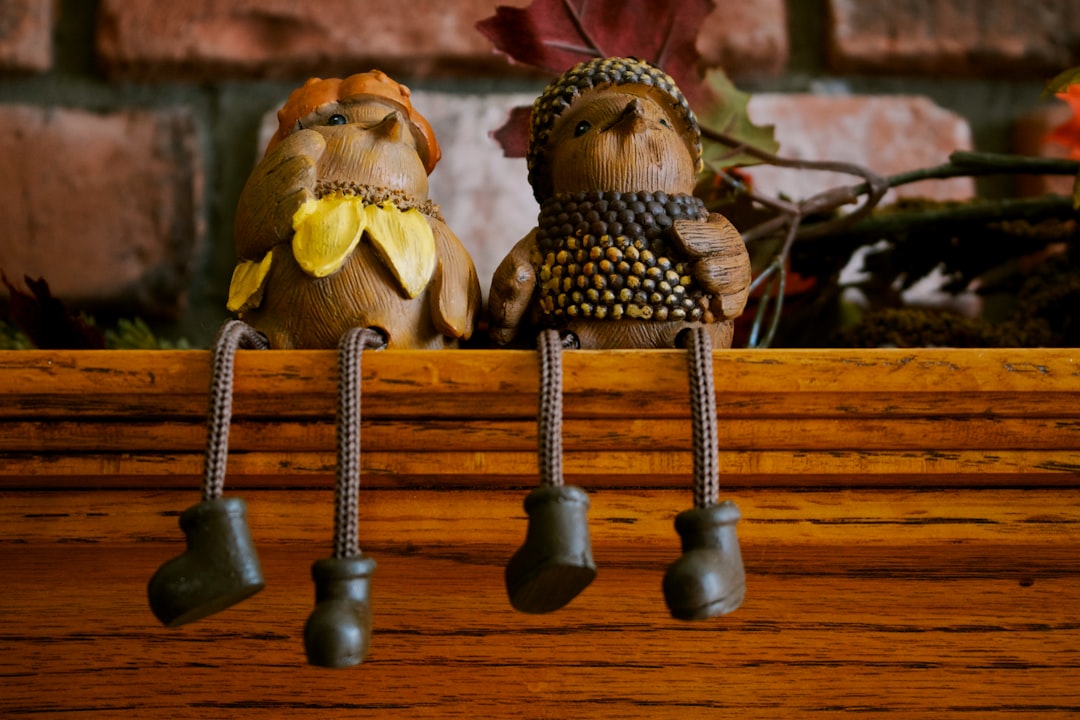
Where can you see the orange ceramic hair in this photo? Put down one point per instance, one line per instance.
(317, 92)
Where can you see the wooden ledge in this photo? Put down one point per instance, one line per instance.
(940, 581)
(467, 417)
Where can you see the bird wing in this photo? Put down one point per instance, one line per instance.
(278, 185)
(512, 288)
(455, 294)
(720, 261)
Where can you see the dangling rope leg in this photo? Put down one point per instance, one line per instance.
(549, 415)
(708, 579)
(234, 334)
(555, 563)
(703, 420)
(338, 631)
(347, 487)
(220, 566)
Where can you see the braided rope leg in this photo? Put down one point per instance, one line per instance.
(708, 578)
(549, 416)
(703, 419)
(347, 486)
(555, 562)
(234, 334)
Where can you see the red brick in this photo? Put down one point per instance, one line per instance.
(107, 208)
(887, 134)
(147, 39)
(26, 35)
(747, 38)
(150, 39)
(955, 37)
(1029, 138)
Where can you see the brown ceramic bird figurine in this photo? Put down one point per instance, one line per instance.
(338, 246)
(334, 228)
(623, 254)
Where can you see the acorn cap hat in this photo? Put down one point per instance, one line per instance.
(564, 90)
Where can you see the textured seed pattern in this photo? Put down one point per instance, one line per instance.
(605, 255)
(376, 195)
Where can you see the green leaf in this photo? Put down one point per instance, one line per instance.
(135, 334)
(728, 116)
(1062, 81)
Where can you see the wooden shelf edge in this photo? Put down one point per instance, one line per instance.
(466, 418)
(503, 383)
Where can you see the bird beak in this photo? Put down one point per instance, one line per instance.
(630, 120)
(390, 126)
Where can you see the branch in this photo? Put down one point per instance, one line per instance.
(975, 164)
(858, 224)
(1031, 209)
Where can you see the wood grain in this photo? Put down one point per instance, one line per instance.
(914, 604)
(911, 535)
(503, 383)
(463, 418)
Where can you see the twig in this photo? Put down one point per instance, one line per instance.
(975, 164)
(790, 215)
(1031, 209)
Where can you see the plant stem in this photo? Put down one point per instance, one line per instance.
(973, 164)
(857, 224)
(987, 211)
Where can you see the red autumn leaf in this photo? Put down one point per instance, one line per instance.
(555, 35)
(1068, 133)
(513, 135)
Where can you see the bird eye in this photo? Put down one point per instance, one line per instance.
(336, 119)
(582, 127)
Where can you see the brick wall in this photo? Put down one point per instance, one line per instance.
(129, 126)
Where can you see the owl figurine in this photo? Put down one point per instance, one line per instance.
(334, 228)
(623, 255)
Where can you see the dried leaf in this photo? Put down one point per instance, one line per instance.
(728, 115)
(554, 35)
(513, 135)
(1068, 133)
(1062, 81)
(47, 321)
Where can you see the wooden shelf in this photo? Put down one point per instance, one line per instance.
(467, 418)
(911, 535)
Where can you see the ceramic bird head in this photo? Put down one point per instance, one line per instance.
(623, 254)
(373, 134)
(614, 124)
(334, 228)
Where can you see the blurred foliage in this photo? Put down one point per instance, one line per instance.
(127, 334)
(38, 319)
(135, 334)
(1024, 278)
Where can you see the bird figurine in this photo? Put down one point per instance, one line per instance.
(334, 229)
(338, 246)
(623, 254)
